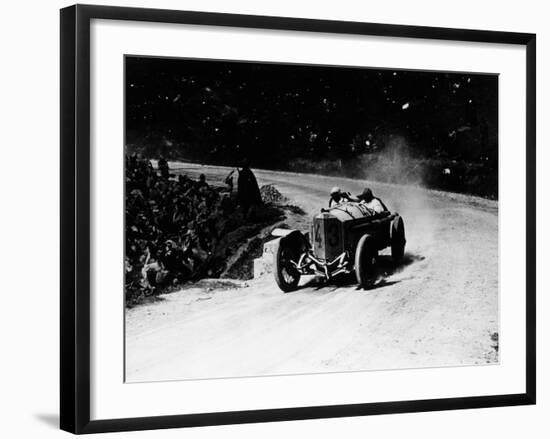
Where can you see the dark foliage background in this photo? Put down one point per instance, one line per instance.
(432, 128)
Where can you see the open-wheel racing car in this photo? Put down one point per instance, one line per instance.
(343, 239)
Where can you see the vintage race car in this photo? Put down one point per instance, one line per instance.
(343, 239)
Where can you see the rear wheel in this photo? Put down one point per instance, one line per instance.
(286, 274)
(397, 239)
(365, 259)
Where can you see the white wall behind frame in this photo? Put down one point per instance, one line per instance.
(29, 324)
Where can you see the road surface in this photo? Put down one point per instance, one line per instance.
(438, 308)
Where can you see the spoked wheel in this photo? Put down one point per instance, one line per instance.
(286, 274)
(365, 260)
(397, 239)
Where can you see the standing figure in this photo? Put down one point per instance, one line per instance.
(248, 192)
(229, 181)
(163, 167)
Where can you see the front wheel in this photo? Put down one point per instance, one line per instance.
(286, 274)
(365, 259)
(397, 234)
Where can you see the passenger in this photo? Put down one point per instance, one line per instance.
(337, 196)
(370, 201)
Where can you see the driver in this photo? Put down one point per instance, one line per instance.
(337, 196)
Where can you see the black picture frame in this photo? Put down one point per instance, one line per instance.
(75, 218)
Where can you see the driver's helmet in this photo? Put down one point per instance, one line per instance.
(335, 191)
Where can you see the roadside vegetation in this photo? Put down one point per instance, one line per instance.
(180, 230)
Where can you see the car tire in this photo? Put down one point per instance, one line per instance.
(286, 276)
(397, 238)
(365, 256)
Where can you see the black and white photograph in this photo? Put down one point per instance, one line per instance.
(285, 219)
(275, 219)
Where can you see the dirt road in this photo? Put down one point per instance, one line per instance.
(439, 308)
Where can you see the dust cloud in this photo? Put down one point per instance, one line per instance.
(393, 164)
